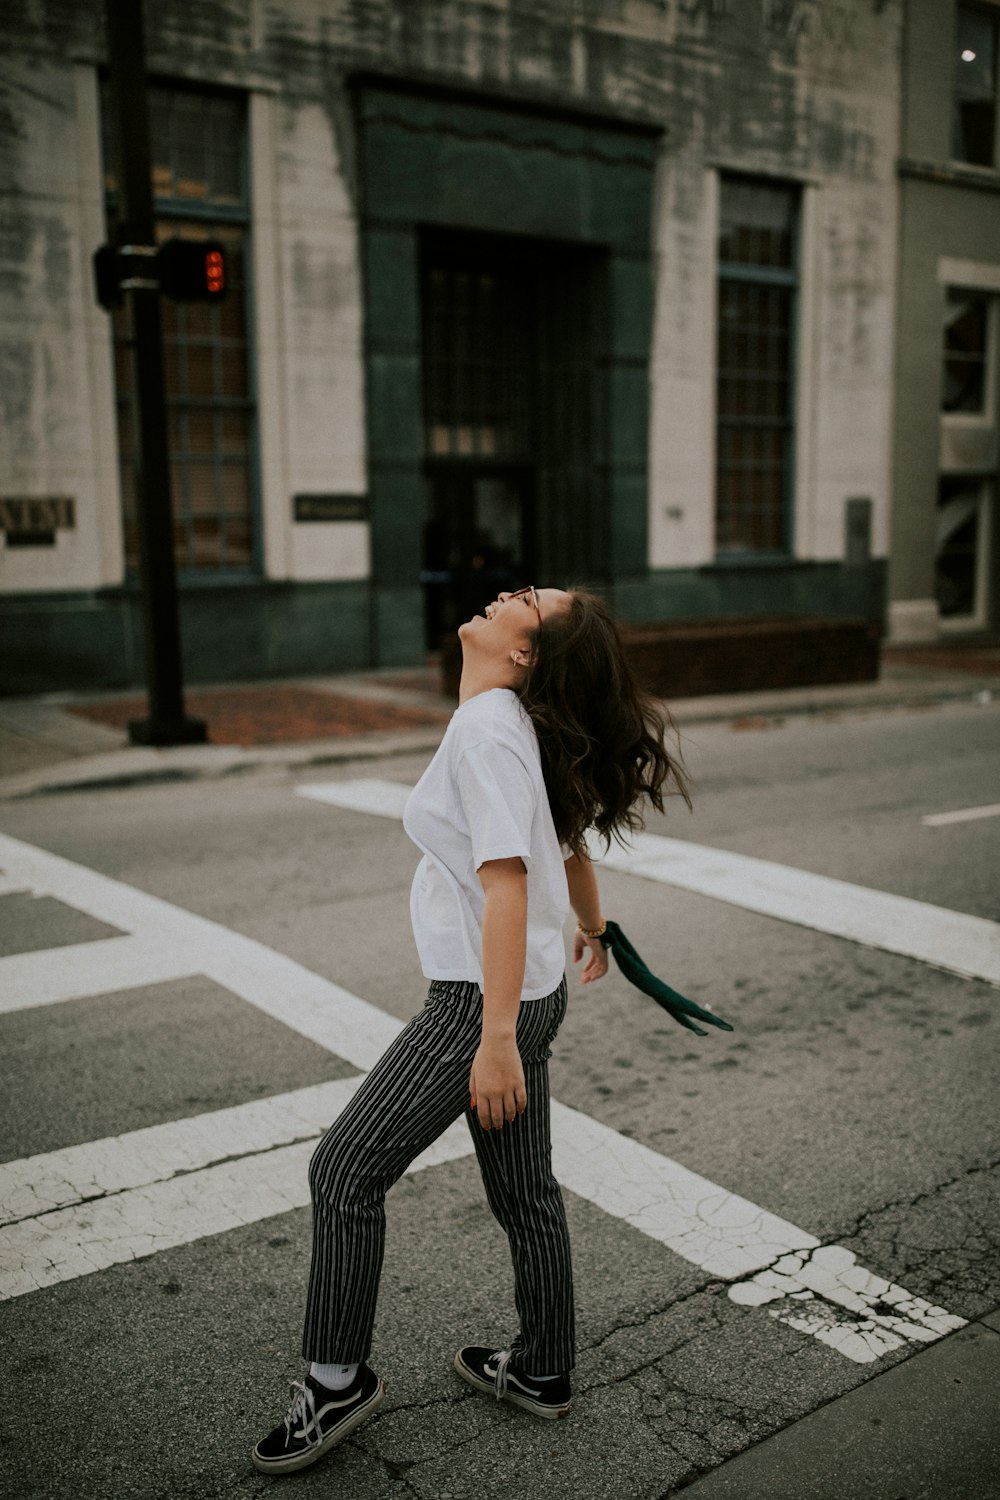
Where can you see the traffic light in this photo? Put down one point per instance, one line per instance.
(187, 270)
(107, 280)
(192, 270)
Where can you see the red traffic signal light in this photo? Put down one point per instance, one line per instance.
(215, 272)
(192, 270)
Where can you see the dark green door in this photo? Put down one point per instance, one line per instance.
(513, 433)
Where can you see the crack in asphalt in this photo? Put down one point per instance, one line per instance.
(711, 1284)
(397, 1468)
(103, 1194)
(922, 1197)
(716, 1285)
(711, 1324)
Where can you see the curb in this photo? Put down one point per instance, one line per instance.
(767, 1467)
(136, 766)
(131, 766)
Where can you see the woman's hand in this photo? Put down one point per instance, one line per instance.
(496, 1083)
(597, 964)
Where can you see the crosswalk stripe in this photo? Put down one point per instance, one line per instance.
(386, 799)
(80, 969)
(962, 815)
(90, 1236)
(59, 1179)
(950, 940)
(720, 1232)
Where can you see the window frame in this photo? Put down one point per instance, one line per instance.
(789, 277)
(169, 210)
(992, 13)
(987, 415)
(985, 508)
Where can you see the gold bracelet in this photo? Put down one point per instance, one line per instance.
(592, 932)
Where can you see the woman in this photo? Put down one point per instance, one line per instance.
(551, 738)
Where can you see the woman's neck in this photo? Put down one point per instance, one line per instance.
(482, 677)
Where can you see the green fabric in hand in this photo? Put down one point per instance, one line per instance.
(636, 972)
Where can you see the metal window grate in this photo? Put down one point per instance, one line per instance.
(477, 357)
(198, 173)
(755, 361)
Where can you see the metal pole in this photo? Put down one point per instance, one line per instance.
(167, 723)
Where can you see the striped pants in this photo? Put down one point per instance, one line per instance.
(415, 1091)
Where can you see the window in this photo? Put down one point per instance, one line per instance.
(974, 129)
(199, 182)
(962, 549)
(758, 280)
(966, 341)
(477, 349)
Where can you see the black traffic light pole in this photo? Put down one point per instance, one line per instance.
(167, 723)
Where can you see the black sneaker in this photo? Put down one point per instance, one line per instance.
(317, 1420)
(491, 1370)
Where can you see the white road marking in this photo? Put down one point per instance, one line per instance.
(810, 1288)
(316, 1008)
(386, 799)
(950, 940)
(91, 1236)
(143, 1205)
(963, 815)
(58, 1179)
(81, 969)
(724, 1234)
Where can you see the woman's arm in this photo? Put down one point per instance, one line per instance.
(496, 1083)
(585, 900)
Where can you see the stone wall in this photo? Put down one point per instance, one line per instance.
(806, 90)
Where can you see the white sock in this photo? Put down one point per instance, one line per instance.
(334, 1377)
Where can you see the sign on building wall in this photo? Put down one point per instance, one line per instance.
(28, 521)
(330, 507)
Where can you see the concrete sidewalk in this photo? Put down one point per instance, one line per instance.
(63, 742)
(926, 1429)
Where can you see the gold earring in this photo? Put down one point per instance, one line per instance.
(513, 657)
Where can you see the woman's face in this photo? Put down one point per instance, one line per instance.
(510, 621)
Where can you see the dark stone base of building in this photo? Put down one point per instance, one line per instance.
(689, 660)
(232, 632)
(252, 629)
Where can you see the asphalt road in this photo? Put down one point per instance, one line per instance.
(855, 1100)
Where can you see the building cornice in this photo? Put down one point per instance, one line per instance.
(950, 174)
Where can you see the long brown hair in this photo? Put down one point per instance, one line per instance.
(601, 736)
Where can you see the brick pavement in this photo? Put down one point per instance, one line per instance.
(982, 660)
(273, 714)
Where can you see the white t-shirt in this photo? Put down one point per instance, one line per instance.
(483, 797)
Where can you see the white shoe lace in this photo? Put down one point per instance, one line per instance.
(303, 1410)
(504, 1358)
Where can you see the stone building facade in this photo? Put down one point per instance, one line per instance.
(557, 290)
(945, 538)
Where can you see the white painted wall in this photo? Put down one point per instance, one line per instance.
(844, 351)
(58, 406)
(56, 397)
(682, 365)
(315, 331)
(854, 275)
